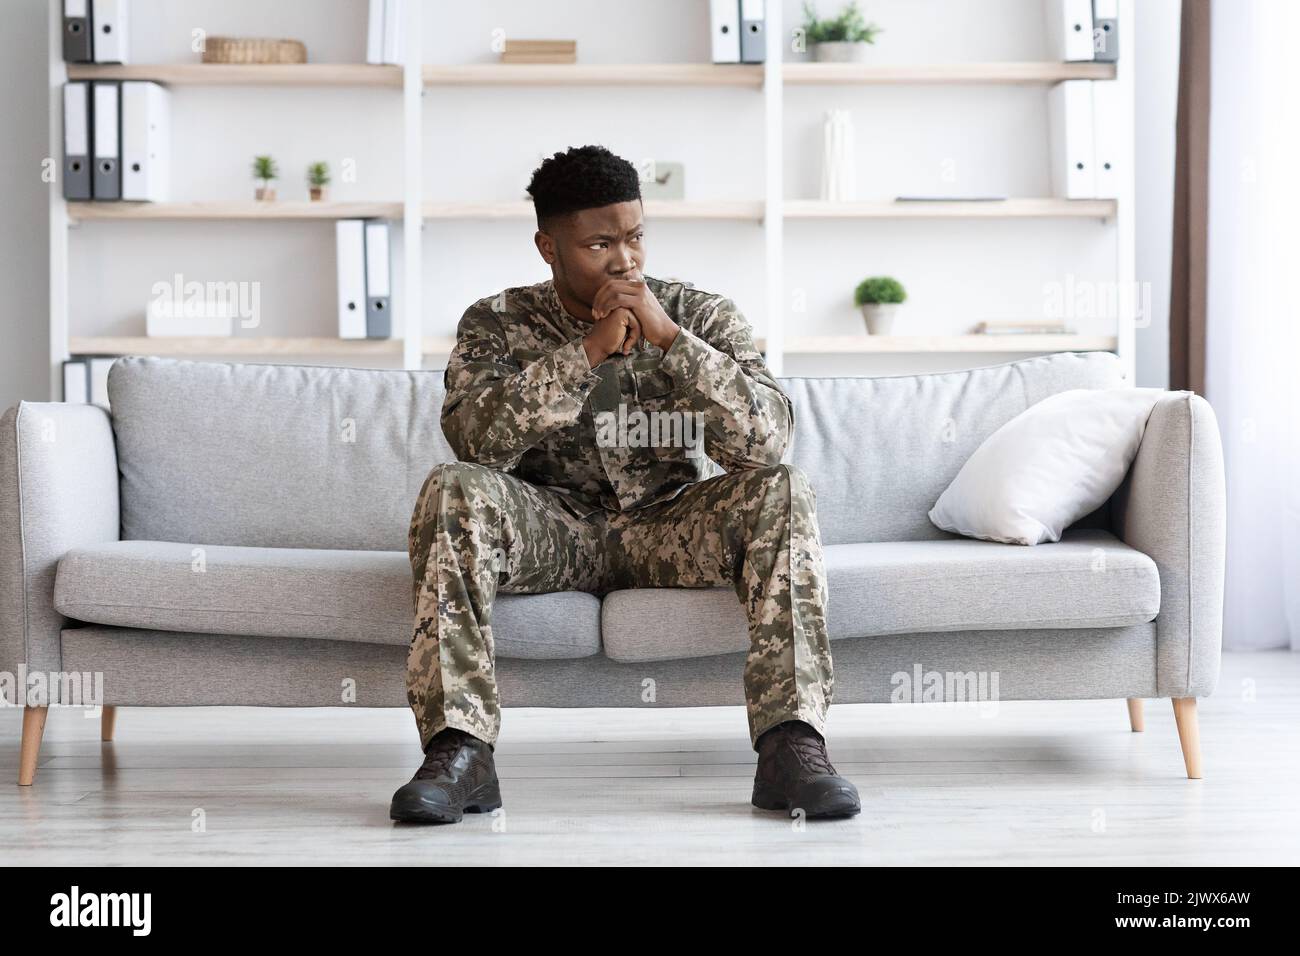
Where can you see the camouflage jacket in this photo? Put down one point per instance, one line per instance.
(523, 398)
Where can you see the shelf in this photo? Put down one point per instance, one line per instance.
(994, 209)
(234, 209)
(245, 346)
(739, 209)
(808, 74)
(243, 74)
(904, 344)
(596, 74)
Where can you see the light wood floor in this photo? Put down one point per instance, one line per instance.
(1034, 783)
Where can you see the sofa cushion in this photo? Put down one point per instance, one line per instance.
(1088, 579)
(289, 592)
(879, 451)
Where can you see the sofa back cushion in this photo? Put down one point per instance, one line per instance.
(880, 451)
(277, 456)
(295, 456)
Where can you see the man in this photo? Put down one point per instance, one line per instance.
(553, 492)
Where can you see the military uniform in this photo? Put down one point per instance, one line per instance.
(552, 493)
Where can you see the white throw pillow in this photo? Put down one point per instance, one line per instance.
(1055, 462)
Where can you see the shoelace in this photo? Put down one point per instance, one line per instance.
(439, 757)
(810, 752)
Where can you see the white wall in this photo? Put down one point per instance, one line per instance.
(483, 143)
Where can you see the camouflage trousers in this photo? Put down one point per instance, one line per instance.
(476, 530)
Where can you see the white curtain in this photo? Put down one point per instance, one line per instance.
(1253, 315)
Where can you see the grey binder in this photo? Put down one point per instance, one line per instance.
(77, 32)
(753, 36)
(1105, 31)
(106, 116)
(379, 318)
(76, 141)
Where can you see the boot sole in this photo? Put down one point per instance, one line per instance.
(412, 809)
(765, 798)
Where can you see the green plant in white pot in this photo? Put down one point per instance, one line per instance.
(879, 298)
(842, 39)
(265, 171)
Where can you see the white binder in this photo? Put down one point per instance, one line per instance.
(76, 141)
(375, 32)
(146, 141)
(76, 381)
(394, 17)
(1106, 127)
(724, 24)
(109, 21)
(1069, 114)
(378, 282)
(106, 175)
(99, 366)
(1069, 30)
(350, 240)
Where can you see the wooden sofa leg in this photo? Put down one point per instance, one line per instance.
(1135, 715)
(106, 723)
(1189, 734)
(33, 729)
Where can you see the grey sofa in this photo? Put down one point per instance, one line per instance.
(236, 534)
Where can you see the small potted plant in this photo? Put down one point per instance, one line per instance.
(265, 171)
(318, 177)
(879, 298)
(843, 39)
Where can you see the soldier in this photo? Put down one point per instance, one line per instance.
(553, 492)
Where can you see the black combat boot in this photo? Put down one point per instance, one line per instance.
(794, 772)
(458, 776)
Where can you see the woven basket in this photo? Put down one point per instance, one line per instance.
(253, 50)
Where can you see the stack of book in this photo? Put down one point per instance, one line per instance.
(540, 51)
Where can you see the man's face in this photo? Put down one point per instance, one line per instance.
(592, 246)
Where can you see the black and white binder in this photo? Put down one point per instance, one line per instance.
(1069, 30)
(350, 241)
(1072, 153)
(1105, 30)
(379, 320)
(724, 26)
(753, 37)
(146, 141)
(76, 380)
(110, 22)
(98, 366)
(77, 36)
(76, 141)
(106, 177)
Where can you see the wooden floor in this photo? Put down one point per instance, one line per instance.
(1026, 783)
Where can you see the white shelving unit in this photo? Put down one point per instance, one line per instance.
(770, 210)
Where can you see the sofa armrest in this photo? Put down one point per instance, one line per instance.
(1172, 507)
(58, 490)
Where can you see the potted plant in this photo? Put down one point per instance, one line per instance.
(318, 177)
(842, 39)
(265, 172)
(879, 298)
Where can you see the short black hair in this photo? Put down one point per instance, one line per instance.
(582, 177)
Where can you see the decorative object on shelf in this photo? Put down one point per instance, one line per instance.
(843, 39)
(839, 179)
(252, 50)
(265, 171)
(662, 180)
(385, 36)
(540, 51)
(879, 298)
(318, 177)
(1029, 327)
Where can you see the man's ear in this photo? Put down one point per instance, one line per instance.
(545, 245)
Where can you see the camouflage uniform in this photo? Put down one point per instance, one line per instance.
(549, 494)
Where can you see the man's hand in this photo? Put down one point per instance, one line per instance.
(619, 331)
(633, 294)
